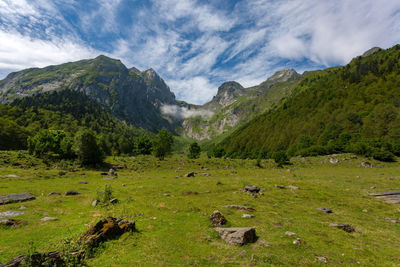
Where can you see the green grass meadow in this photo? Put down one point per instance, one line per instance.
(173, 225)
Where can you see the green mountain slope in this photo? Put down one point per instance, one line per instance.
(354, 108)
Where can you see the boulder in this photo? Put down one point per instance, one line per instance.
(105, 229)
(251, 189)
(72, 193)
(95, 202)
(280, 186)
(10, 222)
(190, 174)
(247, 216)
(114, 201)
(288, 233)
(46, 219)
(47, 259)
(344, 226)
(217, 219)
(112, 172)
(19, 197)
(238, 236)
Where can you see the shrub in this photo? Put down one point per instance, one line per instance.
(383, 155)
(219, 152)
(313, 151)
(280, 158)
(142, 146)
(194, 151)
(48, 142)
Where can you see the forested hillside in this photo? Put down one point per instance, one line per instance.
(355, 108)
(65, 110)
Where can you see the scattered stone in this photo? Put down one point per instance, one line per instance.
(333, 161)
(280, 186)
(105, 229)
(83, 182)
(344, 226)
(190, 193)
(325, 210)
(206, 174)
(114, 201)
(22, 208)
(112, 172)
(289, 233)
(238, 236)
(110, 178)
(238, 207)
(19, 197)
(251, 189)
(366, 164)
(364, 210)
(218, 183)
(53, 194)
(298, 241)
(47, 259)
(95, 202)
(247, 216)
(11, 176)
(190, 174)
(10, 214)
(290, 170)
(103, 173)
(293, 187)
(47, 219)
(322, 259)
(217, 219)
(72, 193)
(61, 173)
(391, 219)
(166, 195)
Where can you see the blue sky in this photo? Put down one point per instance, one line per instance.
(196, 45)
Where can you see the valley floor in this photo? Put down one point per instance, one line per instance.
(172, 211)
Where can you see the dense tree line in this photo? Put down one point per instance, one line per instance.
(355, 108)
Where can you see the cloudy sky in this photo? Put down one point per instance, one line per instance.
(196, 45)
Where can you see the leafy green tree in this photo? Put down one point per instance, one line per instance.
(87, 148)
(162, 144)
(143, 146)
(47, 142)
(219, 152)
(194, 151)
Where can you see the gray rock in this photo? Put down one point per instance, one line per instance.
(112, 172)
(293, 187)
(238, 236)
(289, 233)
(10, 214)
(366, 164)
(325, 210)
(343, 226)
(247, 216)
(114, 201)
(217, 219)
(190, 174)
(95, 202)
(298, 241)
(47, 219)
(11, 176)
(53, 194)
(391, 219)
(322, 259)
(280, 186)
(72, 193)
(19, 197)
(61, 173)
(251, 189)
(238, 207)
(333, 161)
(9, 222)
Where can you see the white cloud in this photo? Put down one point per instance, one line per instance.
(180, 113)
(18, 52)
(196, 90)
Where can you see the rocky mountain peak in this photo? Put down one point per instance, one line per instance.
(283, 75)
(228, 92)
(371, 51)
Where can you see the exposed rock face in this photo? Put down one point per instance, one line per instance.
(371, 51)
(251, 189)
(46, 259)
(238, 236)
(106, 229)
(238, 207)
(10, 214)
(190, 174)
(19, 197)
(228, 92)
(217, 219)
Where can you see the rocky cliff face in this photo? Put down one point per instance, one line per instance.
(132, 95)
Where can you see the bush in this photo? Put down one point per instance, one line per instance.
(383, 155)
(313, 151)
(47, 142)
(194, 151)
(162, 144)
(142, 146)
(219, 152)
(280, 158)
(87, 149)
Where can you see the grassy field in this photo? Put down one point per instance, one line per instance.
(173, 226)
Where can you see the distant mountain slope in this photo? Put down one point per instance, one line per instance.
(234, 105)
(131, 95)
(360, 101)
